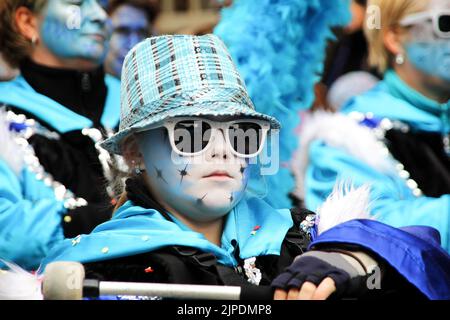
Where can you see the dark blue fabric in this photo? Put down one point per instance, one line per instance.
(426, 233)
(423, 263)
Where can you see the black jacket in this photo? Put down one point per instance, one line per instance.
(72, 159)
(422, 154)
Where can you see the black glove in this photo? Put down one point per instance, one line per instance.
(314, 266)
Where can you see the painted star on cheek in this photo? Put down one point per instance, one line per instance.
(200, 200)
(231, 198)
(183, 173)
(159, 174)
(242, 169)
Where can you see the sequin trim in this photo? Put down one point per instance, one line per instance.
(380, 127)
(25, 128)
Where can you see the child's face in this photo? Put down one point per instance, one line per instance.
(202, 187)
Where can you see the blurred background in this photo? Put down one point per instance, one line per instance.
(186, 16)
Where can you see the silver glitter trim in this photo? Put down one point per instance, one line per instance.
(380, 133)
(307, 224)
(252, 273)
(105, 158)
(32, 163)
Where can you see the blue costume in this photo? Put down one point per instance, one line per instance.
(146, 237)
(400, 198)
(135, 230)
(34, 205)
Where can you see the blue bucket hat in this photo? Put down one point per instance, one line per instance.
(179, 75)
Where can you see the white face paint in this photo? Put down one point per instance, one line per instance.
(427, 51)
(204, 187)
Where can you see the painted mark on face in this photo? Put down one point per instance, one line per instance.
(200, 200)
(159, 175)
(183, 173)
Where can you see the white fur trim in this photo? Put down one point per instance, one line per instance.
(18, 284)
(10, 152)
(342, 132)
(344, 204)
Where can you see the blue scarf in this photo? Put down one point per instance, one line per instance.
(257, 227)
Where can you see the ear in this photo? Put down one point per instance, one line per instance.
(392, 41)
(27, 23)
(130, 151)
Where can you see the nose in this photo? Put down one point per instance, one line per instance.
(97, 13)
(219, 149)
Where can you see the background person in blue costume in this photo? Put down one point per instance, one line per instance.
(397, 136)
(132, 22)
(51, 179)
(190, 134)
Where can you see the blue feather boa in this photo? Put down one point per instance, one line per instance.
(279, 48)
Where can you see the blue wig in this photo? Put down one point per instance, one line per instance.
(279, 48)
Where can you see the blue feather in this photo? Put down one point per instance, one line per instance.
(279, 48)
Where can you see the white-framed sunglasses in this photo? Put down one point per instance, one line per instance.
(192, 136)
(440, 20)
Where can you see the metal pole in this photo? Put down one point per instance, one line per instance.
(176, 291)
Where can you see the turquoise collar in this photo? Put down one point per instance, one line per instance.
(394, 99)
(399, 89)
(20, 94)
(258, 229)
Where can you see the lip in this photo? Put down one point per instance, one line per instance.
(218, 175)
(96, 36)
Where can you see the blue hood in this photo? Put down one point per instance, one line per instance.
(20, 94)
(134, 230)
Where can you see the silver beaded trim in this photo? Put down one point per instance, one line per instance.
(446, 141)
(380, 134)
(307, 224)
(251, 271)
(32, 162)
(105, 158)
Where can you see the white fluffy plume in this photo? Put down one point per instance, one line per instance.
(341, 132)
(344, 204)
(18, 284)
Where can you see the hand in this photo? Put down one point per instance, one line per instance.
(308, 291)
(317, 275)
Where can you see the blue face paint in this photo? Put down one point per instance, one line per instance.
(104, 4)
(76, 29)
(432, 58)
(188, 186)
(427, 51)
(130, 26)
